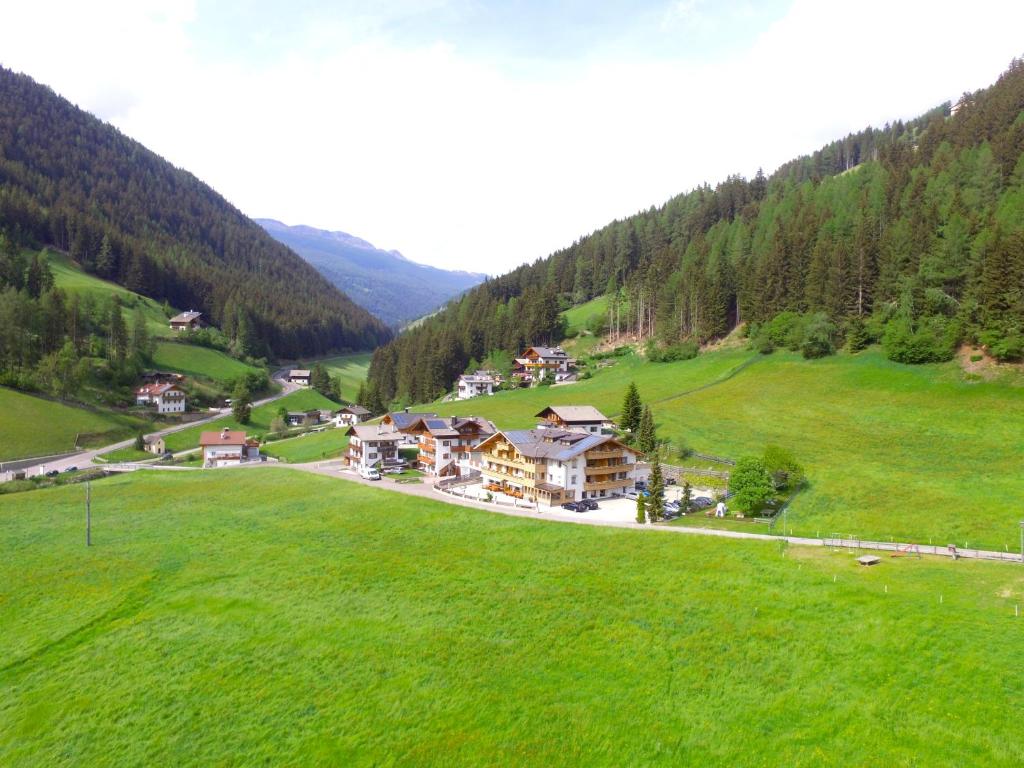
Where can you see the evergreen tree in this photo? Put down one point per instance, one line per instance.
(641, 508)
(320, 380)
(857, 337)
(656, 487)
(647, 439)
(632, 409)
(241, 407)
(140, 442)
(140, 345)
(117, 333)
(687, 498)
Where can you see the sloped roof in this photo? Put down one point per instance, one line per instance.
(371, 432)
(548, 351)
(574, 413)
(553, 444)
(301, 373)
(405, 419)
(355, 410)
(186, 317)
(224, 437)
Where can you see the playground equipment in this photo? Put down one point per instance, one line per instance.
(907, 550)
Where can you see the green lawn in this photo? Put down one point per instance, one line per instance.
(199, 362)
(280, 618)
(312, 446)
(131, 453)
(261, 417)
(351, 369)
(913, 452)
(33, 426)
(70, 277)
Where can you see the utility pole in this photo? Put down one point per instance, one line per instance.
(88, 513)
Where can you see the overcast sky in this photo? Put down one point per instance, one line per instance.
(475, 135)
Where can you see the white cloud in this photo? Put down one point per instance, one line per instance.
(460, 162)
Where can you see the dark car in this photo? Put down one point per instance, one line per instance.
(670, 481)
(167, 456)
(588, 504)
(573, 506)
(71, 469)
(701, 502)
(52, 473)
(640, 485)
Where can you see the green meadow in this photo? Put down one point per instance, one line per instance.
(303, 399)
(917, 453)
(70, 277)
(280, 618)
(350, 369)
(199, 362)
(34, 426)
(312, 446)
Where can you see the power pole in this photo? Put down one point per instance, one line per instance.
(88, 513)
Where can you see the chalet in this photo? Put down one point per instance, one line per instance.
(168, 398)
(227, 447)
(537, 363)
(553, 466)
(302, 418)
(187, 321)
(154, 444)
(370, 445)
(162, 377)
(299, 376)
(350, 415)
(579, 418)
(446, 443)
(400, 421)
(475, 385)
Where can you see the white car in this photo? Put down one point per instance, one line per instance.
(369, 473)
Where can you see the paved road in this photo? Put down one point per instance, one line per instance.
(427, 490)
(83, 458)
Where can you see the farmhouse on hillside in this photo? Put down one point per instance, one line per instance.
(168, 398)
(446, 443)
(538, 363)
(553, 466)
(475, 385)
(372, 446)
(299, 376)
(187, 321)
(303, 418)
(228, 447)
(154, 444)
(581, 418)
(350, 415)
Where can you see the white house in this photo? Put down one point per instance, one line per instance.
(475, 384)
(187, 321)
(370, 445)
(350, 415)
(168, 398)
(578, 418)
(228, 447)
(299, 376)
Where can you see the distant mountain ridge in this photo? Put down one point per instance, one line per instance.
(388, 284)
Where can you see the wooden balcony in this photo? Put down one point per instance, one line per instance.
(606, 485)
(605, 469)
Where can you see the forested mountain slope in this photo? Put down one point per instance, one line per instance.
(386, 283)
(912, 235)
(69, 180)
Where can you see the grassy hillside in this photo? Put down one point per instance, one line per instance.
(891, 450)
(32, 426)
(277, 618)
(351, 369)
(312, 446)
(261, 418)
(70, 277)
(199, 362)
(579, 317)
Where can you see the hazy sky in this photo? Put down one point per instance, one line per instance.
(480, 135)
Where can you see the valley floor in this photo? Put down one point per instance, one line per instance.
(279, 617)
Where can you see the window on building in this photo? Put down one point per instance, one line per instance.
(572, 480)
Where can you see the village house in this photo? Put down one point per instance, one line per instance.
(187, 321)
(154, 444)
(475, 385)
(446, 444)
(299, 376)
(552, 466)
(350, 415)
(581, 418)
(537, 363)
(228, 447)
(371, 446)
(168, 398)
(302, 418)
(400, 421)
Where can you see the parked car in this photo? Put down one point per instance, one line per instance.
(634, 495)
(167, 456)
(52, 473)
(640, 485)
(369, 473)
(670, 481)
(71, 469)
(573, 506)
(701, 502)
(589, 504)
(673, 506)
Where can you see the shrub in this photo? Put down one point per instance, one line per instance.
(751, 484)
(684, 350)
(933, 340)
(818, 335)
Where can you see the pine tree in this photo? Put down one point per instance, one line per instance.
(641, 508)
(140, 345)
(632, 409)
(117, 335)
(320, 380)
(647, 438)
(656, 487)
(687, 497)
(241, 408)
(140, 442)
